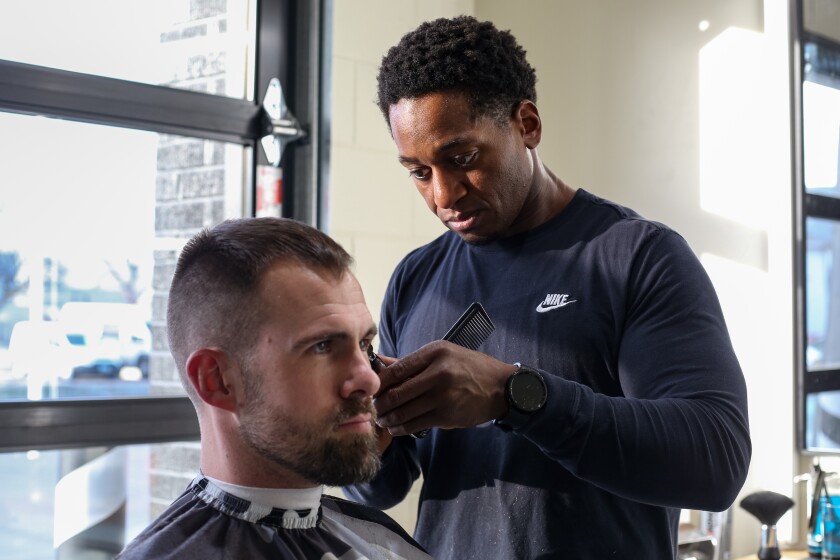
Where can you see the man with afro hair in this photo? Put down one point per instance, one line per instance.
(607, 398)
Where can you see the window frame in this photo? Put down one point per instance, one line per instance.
(806, 205)
(288, 46)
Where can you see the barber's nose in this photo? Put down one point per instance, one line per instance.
(361, 380)
(447, 190)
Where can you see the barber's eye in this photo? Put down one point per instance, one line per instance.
(465, 159)
(418, 173)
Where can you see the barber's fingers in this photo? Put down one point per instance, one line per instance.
(410, 407)
(383, 439)
(404, 397)
(454, 386)
(417, 424)
(388, 360)
(407, 367)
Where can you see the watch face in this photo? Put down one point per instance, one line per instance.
(528, 391)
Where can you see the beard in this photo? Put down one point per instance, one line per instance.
(314, 450)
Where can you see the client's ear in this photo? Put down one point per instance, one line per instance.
(209, 371)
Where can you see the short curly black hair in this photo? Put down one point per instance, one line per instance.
(458, 54)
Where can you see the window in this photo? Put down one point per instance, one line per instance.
(83, 238)
(818, 205)
(84, 502)
(177, 44)
(125, 128)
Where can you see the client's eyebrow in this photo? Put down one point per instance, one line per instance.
(331, 336)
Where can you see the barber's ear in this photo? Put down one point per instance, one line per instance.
(211, 373)
(528, 118)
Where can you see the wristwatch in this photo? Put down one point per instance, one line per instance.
(526, 393)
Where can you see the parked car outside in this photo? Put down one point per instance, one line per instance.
(40, 353)
(106, 337)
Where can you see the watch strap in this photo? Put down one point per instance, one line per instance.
(513, 420)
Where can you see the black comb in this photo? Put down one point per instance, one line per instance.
(472, 328)
(470, 331)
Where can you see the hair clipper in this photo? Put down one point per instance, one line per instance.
(469, 331)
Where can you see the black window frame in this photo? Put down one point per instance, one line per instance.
(806, 205)
(289, 46)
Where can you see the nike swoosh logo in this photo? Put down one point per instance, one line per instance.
(542, 307)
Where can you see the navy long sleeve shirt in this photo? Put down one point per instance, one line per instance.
(647, 405)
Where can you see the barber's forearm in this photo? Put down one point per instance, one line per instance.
(685, 453)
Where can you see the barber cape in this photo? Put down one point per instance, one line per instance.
(215, 520)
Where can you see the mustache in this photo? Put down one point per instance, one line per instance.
(354, 408)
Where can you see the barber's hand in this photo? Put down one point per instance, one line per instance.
(383, 437)
(441, 385)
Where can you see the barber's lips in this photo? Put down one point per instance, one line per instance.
(463, 221)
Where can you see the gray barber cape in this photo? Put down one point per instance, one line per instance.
(209, 523)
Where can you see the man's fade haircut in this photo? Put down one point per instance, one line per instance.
(213, 297)
(459, 54)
